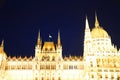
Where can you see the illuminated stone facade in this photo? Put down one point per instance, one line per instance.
(100, 61)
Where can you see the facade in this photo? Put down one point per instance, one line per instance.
(100, 61)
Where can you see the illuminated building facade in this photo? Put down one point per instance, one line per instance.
(100, 61)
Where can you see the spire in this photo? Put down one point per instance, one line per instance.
(39, 42)
(96, 21)
(59, 42)
(87, 24)
(2, 44)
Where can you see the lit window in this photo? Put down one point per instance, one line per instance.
(75, 67)
(53, 66)
(70, 67)
(47, 66)
(65, 67)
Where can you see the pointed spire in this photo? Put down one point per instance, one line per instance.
(96, 21)
(59, 41)
(87, 24)
(2, 44)
(39, 42)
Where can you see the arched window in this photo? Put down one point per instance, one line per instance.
(53, 66)
(48, 58)
(53, 78)
(59, 78)
(43, 58)
(48, 66)
(42, 78)
(36, 78)
(51, 49)
(46, 49)
(53, 58)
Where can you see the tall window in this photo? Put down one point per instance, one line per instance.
(48, 66)
(36, 78)
(42, 78)
(75, 67)
(65, 66)
(53, 78)
(53, 66)
(59, 78)
(70, 67)
(42, 67)
(53, 58)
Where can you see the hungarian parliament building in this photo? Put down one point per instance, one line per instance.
(100, 60)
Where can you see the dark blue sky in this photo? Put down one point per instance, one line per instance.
(20, 21)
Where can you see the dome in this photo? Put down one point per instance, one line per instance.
(99, 32)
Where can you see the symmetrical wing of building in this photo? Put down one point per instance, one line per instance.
(100, 61)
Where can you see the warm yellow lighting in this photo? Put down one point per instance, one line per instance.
(100, 61)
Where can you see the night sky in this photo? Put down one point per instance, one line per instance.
(20, 21)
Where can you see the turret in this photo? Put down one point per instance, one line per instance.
(2, 52)
(87, 38)
(3, 55)
(38, 45)
(39, 41)
(59, 41)
(59, 46)
(96, 21)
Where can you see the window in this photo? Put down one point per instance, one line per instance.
(51, 49)
(65, 66)
(53, 66)
(42, 67)
(59, 78)
(92, 76)
(75, 67)
(70, 67)
(18, 66)
(6, 67)
(46, 49)
(106, 76)
(29, 66)
(36, 78)
(99, 70)
(111, 70)
(43, 58)
(47, 66)
(117, 70)
(53, 58)
(105, 70)
(53, 78)
(42, 78)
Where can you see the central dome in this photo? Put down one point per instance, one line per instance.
(99, 32)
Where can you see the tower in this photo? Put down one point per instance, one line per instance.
(48, 51)
(87, 39)
(2, 52)
(59, 46)
(38, 45)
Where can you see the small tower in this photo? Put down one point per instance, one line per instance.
(96, 21)
(87, 39)
(3, 55)
(59, 41)
(59, 46)
(38, 45)
(2, 52)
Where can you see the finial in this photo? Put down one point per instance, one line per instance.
(2, 44)
(39, 34)
(87, 24)
(59, 42)
(96, 20)
(39, 40)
